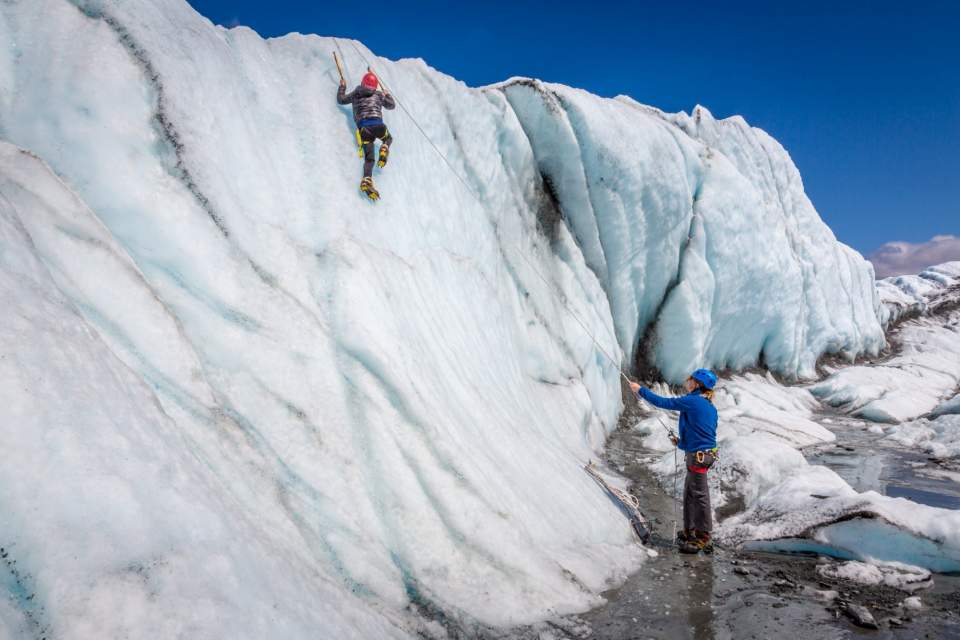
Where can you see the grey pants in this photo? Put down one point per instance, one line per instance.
(696, 494)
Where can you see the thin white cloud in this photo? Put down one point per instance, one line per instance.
(899, 258)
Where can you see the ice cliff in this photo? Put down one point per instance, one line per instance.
(241, 402)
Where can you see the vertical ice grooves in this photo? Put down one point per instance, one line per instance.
(163, 123)
(168, 133)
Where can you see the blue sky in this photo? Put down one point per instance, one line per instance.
(864, 95)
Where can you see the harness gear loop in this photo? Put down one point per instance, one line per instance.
(359, 144)
(700, 457)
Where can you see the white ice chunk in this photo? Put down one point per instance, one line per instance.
(939, 437)
(891, 574)
(951, 406)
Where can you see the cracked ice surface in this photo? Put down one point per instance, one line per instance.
(308, 414)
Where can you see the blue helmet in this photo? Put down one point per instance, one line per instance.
(705, 377)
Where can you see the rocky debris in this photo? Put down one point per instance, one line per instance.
(912, 603)
(860, 615)
(827, 595)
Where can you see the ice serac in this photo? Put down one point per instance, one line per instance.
(701, 234)
(306, 399)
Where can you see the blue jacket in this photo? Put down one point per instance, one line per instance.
(698, 418)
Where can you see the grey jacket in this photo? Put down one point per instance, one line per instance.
(366, 102)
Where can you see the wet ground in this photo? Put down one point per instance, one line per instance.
(739, 594)
(864, 460)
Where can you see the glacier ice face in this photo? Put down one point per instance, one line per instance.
(289, 482)
(392, 400)
(118, 521)
(376, 407)
(700, 232)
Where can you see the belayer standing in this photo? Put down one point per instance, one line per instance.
(368, 115)
(698, 440)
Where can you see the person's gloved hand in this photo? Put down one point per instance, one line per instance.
(634, 387)
(675, 440)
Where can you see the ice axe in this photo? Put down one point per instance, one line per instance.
(336, 59)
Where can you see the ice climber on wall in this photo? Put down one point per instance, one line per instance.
(698, 440)
(368, 115)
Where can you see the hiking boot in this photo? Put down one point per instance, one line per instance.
(699, 541)
(384, 154)
(683, 535)
(690, 546)
(366, 186)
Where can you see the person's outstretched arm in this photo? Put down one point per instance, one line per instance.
(673, 404)
(342, 96)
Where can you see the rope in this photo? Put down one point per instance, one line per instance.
(676, 500)
(343, 60)
(417, 125)
(559, 296)
(719, 478)
(622, 495)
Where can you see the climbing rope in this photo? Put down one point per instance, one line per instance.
(676, 500)
(559, 296)
(556, 294)
(343, 60)
(415, 123)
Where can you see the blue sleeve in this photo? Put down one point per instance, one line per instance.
(674, 404)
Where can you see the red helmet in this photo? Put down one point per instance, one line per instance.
(370, 80)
